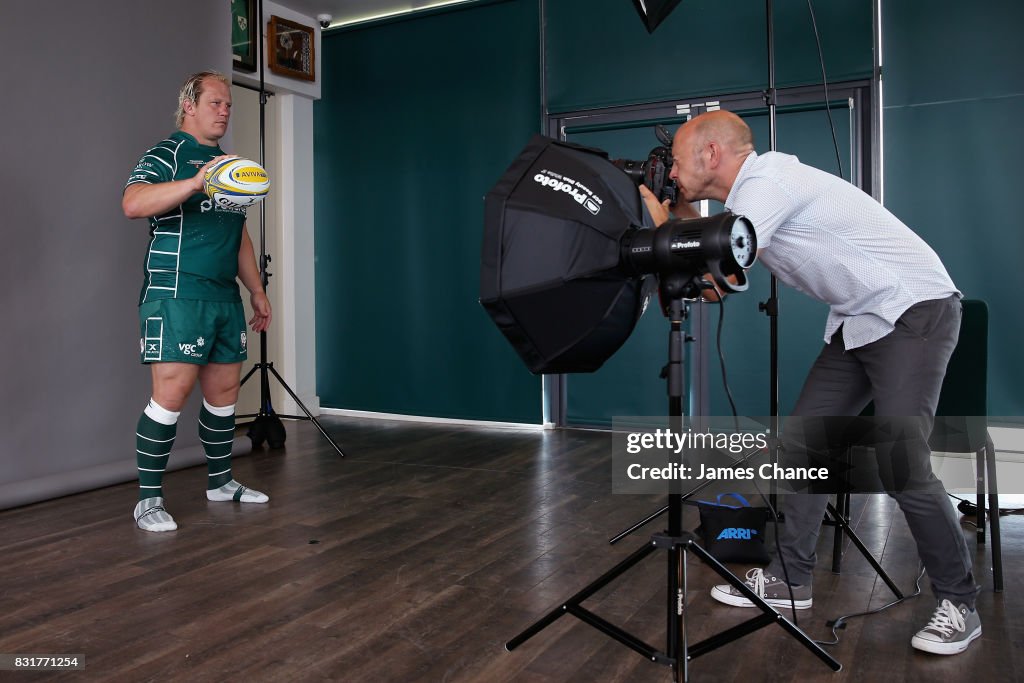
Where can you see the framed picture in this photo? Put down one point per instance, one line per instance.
(243, 34)
(290, 49)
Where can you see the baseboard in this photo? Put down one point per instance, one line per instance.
(341, 412)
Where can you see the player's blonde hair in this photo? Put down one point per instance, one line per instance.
(192, 89)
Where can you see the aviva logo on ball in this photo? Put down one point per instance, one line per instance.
(249, 174)
(236, 183)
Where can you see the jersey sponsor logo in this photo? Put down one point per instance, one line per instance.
(209, 205)
(196, 163)
(736, 533)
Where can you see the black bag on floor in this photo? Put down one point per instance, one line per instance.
(733, 533)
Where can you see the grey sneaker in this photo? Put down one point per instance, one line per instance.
(775, 592)
(950, 631)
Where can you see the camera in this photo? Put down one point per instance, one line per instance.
(654, 171)
(324, 19)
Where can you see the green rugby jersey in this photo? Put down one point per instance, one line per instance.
(193, 248)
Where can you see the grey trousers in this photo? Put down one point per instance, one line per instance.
(902, 373)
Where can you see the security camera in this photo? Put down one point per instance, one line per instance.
(324, 19)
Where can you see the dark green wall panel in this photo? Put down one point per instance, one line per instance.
(598, 52)
(418, 119)
(954, 94)
(951, 51)
(958, 198)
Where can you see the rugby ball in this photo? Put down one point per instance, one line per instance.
(236, 183)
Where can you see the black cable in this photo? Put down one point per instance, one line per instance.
(735, 416)
(824, 80)
(839, 622)
(1003, 512)
(721, 355)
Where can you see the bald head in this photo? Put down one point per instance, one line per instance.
(725, 128)
(708, 151)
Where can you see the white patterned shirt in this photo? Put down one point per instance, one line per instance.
(828, 239)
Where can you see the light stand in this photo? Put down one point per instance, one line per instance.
(678, 652)
(771, 306)
(266, 425)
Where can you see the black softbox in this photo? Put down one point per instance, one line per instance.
(549, 275)
(653, 12)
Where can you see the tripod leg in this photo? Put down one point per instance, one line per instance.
(249, 374)
(769, 615)
(579, 597)
(682, 652)
(855, 539)
(646, 520)
(306, 411)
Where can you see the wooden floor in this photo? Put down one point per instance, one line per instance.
(415, 558)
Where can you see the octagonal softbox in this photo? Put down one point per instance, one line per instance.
(549, 273)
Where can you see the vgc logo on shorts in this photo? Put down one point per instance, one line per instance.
(192, 350)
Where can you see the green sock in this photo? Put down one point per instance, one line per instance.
(154, 437)
(217, 431)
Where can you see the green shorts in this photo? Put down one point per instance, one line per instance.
(185, 331)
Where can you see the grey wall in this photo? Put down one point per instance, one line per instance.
(93, 91)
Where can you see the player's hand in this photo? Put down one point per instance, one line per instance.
(197, 179)
(261, 314)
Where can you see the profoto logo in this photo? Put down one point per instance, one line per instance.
(736, 533)
(576, 190)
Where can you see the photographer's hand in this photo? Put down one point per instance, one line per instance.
(659, 211)
(663, 211)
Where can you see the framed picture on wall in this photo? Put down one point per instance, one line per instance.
(290, 49)
(243, 34)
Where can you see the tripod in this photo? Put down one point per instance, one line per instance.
(678, 652)
(267, 424)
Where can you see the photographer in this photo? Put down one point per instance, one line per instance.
(893, 323)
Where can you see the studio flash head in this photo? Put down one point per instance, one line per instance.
(723, 245)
